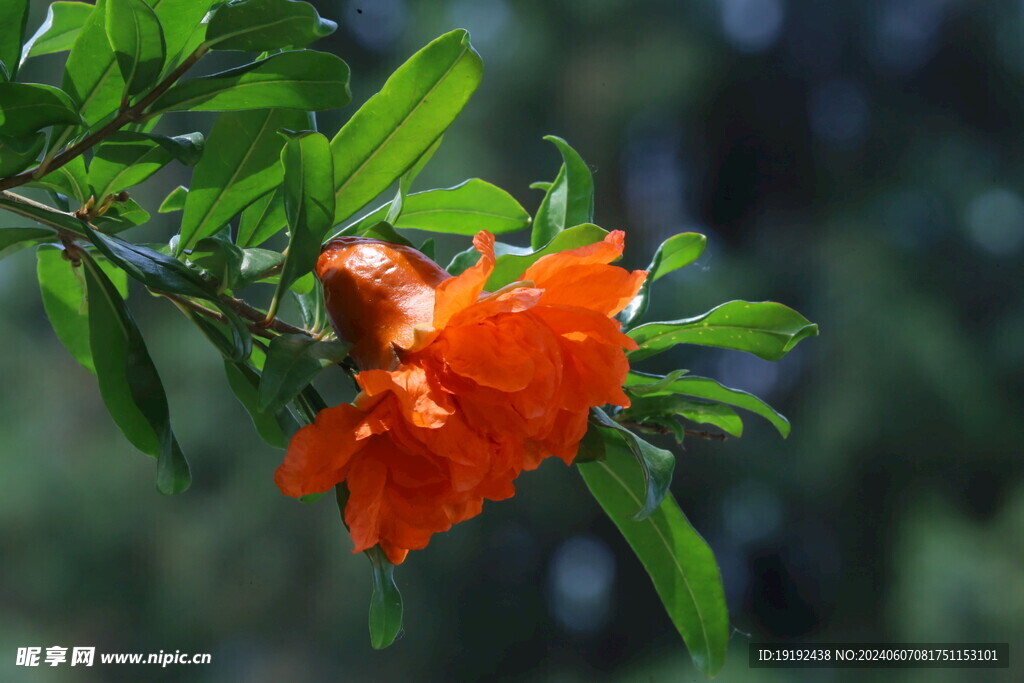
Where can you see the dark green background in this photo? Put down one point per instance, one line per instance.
(860, 161)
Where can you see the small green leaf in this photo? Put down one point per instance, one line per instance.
(274, 428)
(655, 463)
(716, 414)
(465, 209)
(570, 199)
(13, 240)
(28, 107)
(126, 159)
(679, 562)
(384, 232)
(122, 215)
(256, 263)
(262, 219)
(17, 154)
(64, 21)
(308, 190)
(183, 31)
(542, 185)
(129, 383)
(71, 180)
(91, 75)
(258, 25)
(766, 329)
(220, 258)
(311, 306)
(241, 163)
(292, 362)
(702, 387)
(134, 32)
(303, 79)
(29, 209)
(385, 601)
(674, 253)
(394, 128)
(175, 201)
(13, 17)
(63, 292)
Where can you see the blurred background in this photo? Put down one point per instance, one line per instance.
(858, 160)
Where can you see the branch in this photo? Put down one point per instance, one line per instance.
(60, 221)
(657, 429)
(125, 116)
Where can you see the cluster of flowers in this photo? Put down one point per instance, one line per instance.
(461, 389)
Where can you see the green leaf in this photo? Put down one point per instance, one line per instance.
(465, 209)
(180, 20)
(64, 21)
(126, 159)
(220, 258)
(175, 201)
(385, 601)
(122, 215)
(511, 264)
(766, 329)
(258, 25)
(385, 233)
(393, 129)
(91, 75)
(655, 463)
(311, 306)
(702, 387)
(542, 185)
(38, 212)
(308, 190)
(71, 180)
(129, 383)
(570, 199)
(63, 292)
(28, 107)
(716, 414)
(292, 362)
(262, 219)
(17, 154)
(13, 240)
(241, 163)
(679, 562)
(13, 17)
(134, 32)
(674, 253)
(275, 428)
(304, 79)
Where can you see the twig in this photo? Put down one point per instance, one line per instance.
(125, 116)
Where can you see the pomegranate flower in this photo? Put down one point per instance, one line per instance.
(461, 389)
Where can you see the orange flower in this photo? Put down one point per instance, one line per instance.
(461, 389)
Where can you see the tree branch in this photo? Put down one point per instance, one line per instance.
(125, 116)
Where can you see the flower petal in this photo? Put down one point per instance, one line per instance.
(605, 251)
(600, 288)
(319, 454)
(461, 291)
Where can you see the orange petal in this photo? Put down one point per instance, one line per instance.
(605, 251)
(604, 289)
(461, 291)
(575, 323)
(492, 355)
(364, 510)
(395, 554)
(319, 453)
(422, 404)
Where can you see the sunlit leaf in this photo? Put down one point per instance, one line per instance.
(303, 79)
(393, 129)
(13, 17)
(568, 201)
(308, 190)
(64, 21)
(766, 329)
(465, 209)
(262, 219)
(137, 40)
(71, 180)
(240, 164)
(175, 201)
(258, 25)
(28, 107)
(63, 293)
(679, 562)
(126, 159)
